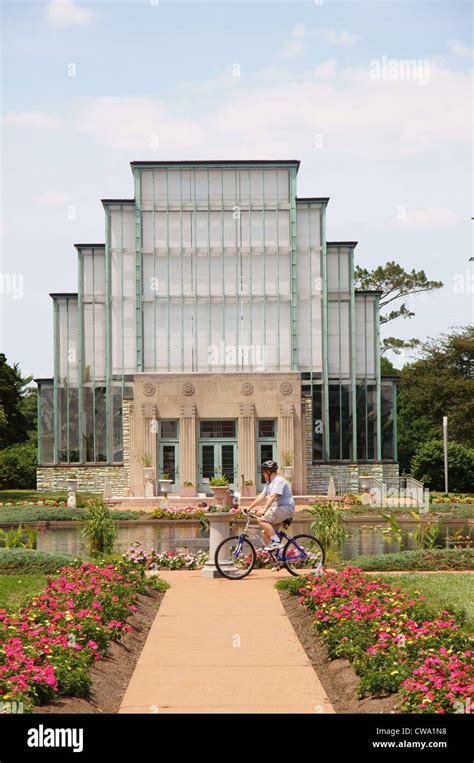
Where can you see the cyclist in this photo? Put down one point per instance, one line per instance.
(279, 504)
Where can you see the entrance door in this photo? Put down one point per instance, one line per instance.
(266, 446)
(169, 453)
(217, 452)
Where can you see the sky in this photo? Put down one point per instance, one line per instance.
(88, 87)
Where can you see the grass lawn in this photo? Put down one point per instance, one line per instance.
(35, 495)
(15, 590)
(442, 589)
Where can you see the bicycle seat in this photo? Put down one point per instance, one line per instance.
(287, 522)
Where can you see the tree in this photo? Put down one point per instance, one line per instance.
(440, 383)
(396, 284)
(427, 465)
(14, 422)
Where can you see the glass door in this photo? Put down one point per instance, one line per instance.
(217, 452)
(169, 453)
(266, 446)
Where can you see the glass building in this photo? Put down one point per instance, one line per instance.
(214, 327)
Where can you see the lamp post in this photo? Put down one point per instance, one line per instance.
(445, 446)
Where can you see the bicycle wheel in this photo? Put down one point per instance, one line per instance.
(303, 554)
(235, 557)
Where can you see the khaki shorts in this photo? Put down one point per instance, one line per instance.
(275, 515)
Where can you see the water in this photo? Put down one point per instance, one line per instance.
(364, 539)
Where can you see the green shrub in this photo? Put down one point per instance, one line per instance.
(427, 465)
(14, 560)
(99, 529)
(58, 513)
(432, 559)
(18, 466)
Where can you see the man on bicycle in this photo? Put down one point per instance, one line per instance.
(279, 504)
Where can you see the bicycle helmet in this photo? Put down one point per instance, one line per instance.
(269, 466)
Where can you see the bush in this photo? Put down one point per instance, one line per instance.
(433, 559)
(427, 465)
(57, 513)
(18, 466)
(99, 529)
(14, 560)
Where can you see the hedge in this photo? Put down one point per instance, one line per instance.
(14, 560)
(433, 559)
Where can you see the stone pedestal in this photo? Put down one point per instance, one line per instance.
(219, 530)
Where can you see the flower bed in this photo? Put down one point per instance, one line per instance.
(168, 560)
(396, 642)
(461, 498)
(48, 647)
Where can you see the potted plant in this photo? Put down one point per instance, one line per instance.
(146, 462)
(187, 490)
(220, 486)
(165, 483)
(287, 465)
(71, 483)
(365, 481)
(249, 489)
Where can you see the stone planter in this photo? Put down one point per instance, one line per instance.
(219, 530)
(288, 472)
(365, 483)
(187, 492)
(165, 486)
(249, 491)
(71, 490)
(220, 493)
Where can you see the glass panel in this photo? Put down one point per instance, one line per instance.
(88, 424)
(169, 461)
(73, 425)
(387, 394)
(340, 422)
(169, 430)
(318, 423)
(62, 425)
(46, 424)
(228, 462)
(100, 424)
(208, 469)
(117, 455)
(266, 452)
(266, 428)
(218, 429)
(366, 421)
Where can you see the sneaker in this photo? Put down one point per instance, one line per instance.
(273, 546)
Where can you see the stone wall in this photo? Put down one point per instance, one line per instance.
(346, 476)
(91, 478)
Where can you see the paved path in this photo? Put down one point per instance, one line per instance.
(221, 646)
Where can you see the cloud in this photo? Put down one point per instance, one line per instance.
(274, 116)
(459, 48)
(137, 124)
(52, 198)
(325, 70)
(65, 13)
(36, 119)
(338, 37)
(431, 217)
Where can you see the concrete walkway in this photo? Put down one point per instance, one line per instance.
(220, 646)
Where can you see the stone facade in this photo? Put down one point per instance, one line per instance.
(346, 475)
(239, 396)
(91, 479)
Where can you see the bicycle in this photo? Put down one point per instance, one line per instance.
(236, 556)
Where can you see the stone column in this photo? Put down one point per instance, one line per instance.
(246, 444)
(286, 432)
(188, 445)
(286, 440)
(149, 417)
(127, 430)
